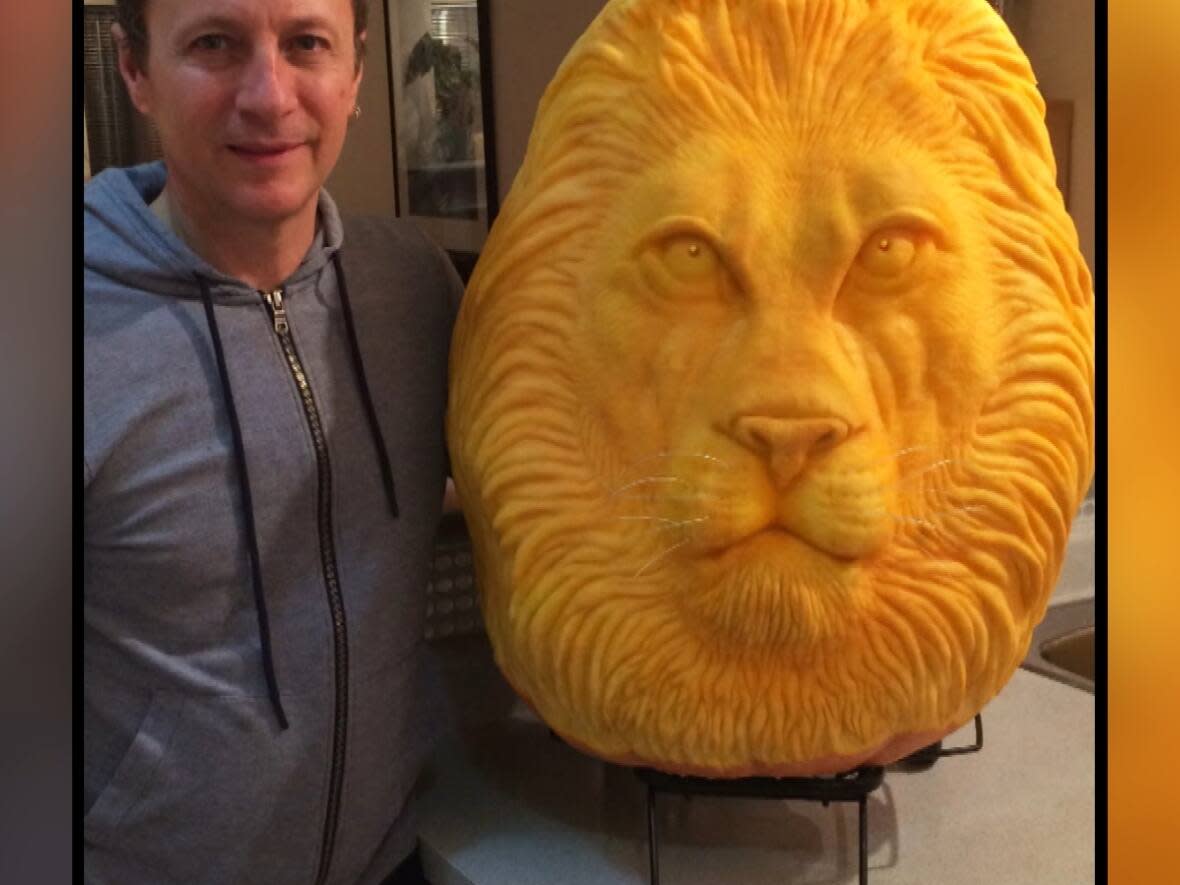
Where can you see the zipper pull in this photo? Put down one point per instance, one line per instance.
(275, 300)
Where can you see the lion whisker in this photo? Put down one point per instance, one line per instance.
(914, 520)
(909, 451)
(668, 455)
(669, 523)
(929, 468)
(648, 497)
(645, 481)
(656, 559)
(700, 455)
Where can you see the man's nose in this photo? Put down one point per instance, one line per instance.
(267, 86)
(788, 443)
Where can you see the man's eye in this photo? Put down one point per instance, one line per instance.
(211, 42)
(308, 43)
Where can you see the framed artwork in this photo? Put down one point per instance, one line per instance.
(445, 162)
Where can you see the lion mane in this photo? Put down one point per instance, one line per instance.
(588, 637)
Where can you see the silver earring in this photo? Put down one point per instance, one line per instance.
(356, 112)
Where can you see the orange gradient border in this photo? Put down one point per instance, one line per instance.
(1144, 433)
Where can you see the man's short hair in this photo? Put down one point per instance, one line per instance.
(132, 17)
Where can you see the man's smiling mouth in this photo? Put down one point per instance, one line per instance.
(264, 150)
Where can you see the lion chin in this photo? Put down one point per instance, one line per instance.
(772, 391)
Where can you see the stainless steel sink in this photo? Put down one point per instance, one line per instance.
(1062, 645)
(1073, 652)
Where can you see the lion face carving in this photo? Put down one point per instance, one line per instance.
(772, 391)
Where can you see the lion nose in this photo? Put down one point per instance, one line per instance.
(788, 443)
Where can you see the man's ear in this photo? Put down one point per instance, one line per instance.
(133, 75)
(361, 39)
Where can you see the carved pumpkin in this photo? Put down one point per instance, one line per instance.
(772, 392)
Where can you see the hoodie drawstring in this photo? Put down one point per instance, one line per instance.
(268, 665)
(366, 397)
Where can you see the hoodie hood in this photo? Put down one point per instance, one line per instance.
(129, 244)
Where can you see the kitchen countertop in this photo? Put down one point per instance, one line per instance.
(505, 803)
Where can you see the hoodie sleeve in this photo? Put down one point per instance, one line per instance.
(393, 261)
(453, 286)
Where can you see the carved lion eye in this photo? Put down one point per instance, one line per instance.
(888, 254)
(690, 258)
(682, 260)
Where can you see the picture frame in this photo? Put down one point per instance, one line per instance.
(443, 126)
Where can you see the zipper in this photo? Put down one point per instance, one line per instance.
(274, 300)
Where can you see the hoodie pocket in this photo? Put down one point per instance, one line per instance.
(137, 769)
(212, 791)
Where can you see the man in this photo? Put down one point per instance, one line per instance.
(264, 467)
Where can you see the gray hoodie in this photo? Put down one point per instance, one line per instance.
(254, 608)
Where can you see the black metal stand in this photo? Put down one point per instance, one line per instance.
(852, 786)
(973, 748)
(927, 756)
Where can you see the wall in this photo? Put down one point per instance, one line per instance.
(529, 40)
(1059, 40)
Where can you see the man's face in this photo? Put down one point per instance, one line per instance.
(251, 99)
